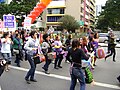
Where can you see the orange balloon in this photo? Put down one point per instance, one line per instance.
(46, 2)
(41, 5)
(35, 12)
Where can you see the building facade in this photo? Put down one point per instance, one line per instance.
(82, 10)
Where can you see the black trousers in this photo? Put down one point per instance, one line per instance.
(113, 52)
(58, 60)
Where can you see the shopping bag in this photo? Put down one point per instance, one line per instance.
(16, 51)
(52, 55)
(88, 75)
(39, 59)
(100, 53)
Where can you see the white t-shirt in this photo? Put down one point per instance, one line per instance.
(5, 46)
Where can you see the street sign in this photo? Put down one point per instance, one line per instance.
(9, 21)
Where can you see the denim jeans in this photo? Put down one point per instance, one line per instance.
(31, 72)
(77, 73)
(47, 63)
(7, 57)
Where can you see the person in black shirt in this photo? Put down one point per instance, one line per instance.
(76, 72)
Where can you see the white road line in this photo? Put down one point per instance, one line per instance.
(0, 88)
(67, 78)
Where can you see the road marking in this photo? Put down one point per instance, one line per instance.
(67, 78)
(0, 88)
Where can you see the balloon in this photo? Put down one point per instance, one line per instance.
(41, 5)
(38, 9)
(46, 2)
(35, 12)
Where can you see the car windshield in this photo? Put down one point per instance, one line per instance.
(102, 35)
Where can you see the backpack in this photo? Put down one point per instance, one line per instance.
(88, 75)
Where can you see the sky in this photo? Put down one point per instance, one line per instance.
(100, 2)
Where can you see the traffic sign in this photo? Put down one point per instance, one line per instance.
(9, 21)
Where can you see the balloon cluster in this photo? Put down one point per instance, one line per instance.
(38, 9)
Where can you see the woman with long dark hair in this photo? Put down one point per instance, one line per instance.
(76, 65)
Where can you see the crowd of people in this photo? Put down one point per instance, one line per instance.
(74, 50)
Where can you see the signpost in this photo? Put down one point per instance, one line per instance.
(9, 22)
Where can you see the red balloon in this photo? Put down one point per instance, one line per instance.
(41, 5)
(35, 12)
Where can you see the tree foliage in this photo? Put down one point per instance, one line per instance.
(110, 16)
(69, 23)
(17, 8)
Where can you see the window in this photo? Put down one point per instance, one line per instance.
(56, 11)
(53, 18)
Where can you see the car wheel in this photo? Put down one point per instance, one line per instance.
(105, 41)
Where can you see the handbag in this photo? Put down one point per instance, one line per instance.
(52, 55)
(39, 59)
(88, 75)
(16, 51)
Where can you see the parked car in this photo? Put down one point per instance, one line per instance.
(117, 39)
(103, 37)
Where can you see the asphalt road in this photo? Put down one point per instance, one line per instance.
(105, 75)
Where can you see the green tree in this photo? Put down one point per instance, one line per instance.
(110, 16)
(69, 23)
(18, 8)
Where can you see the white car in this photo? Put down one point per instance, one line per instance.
(103, 37)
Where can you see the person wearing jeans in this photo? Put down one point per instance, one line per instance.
(76, 72)
(31, 48)
(32, 69)
(5, 49)
(46, 48)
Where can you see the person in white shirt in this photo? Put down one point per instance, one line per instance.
(5, 49)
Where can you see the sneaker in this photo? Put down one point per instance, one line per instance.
(118, 78)
(6, 70)
(94, 65)
(60, 66)
(46, 72)
(114, 61)
(27, 81)
(105, 58)
(33, 80)
(56, 68)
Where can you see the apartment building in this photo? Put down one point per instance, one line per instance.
(82, 10)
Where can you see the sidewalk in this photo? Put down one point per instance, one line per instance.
(105, 45)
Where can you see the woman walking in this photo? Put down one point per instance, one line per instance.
(58, 49)
(5, 49)
(46, 48)
(17, 45)
(76, 71)
(31, 48)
